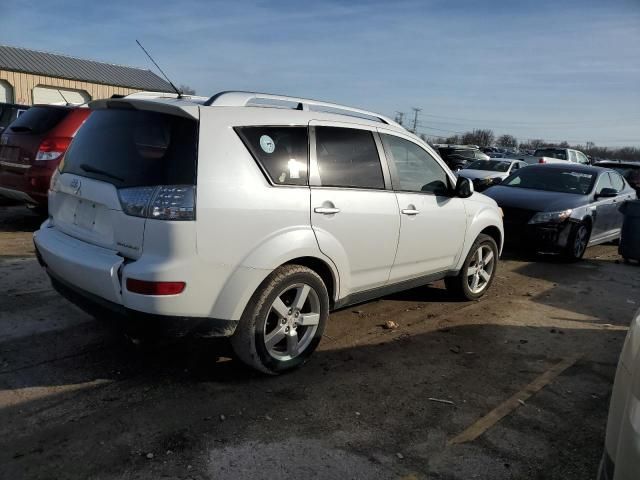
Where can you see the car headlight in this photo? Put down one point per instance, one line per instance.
(551, 217)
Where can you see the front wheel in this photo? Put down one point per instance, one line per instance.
(284, 321)
(578, 241)
(477, 272)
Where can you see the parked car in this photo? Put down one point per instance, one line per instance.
(223, 219)
(31, 148)
(556, 155)
(562, 208)
(459, 156)
(621, 456)
(629, 170)
(9, 112)
(485, 173)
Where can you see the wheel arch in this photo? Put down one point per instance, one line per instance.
(328, 274)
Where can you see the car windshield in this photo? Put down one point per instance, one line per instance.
(558, 153)
(552, 180)
(489, 165)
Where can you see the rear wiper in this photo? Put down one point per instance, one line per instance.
(88, 168)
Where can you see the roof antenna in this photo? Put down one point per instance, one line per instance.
(65, 100)
(158, 67)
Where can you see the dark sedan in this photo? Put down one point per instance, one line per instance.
(562, 208)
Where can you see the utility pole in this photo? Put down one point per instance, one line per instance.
(399, 117)
(415, 118)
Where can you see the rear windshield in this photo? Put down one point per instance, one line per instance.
(489, 165)
(131, 148)
(558, 153)
(552, 180)
(39, 119)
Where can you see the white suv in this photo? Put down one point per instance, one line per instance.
(252, 216)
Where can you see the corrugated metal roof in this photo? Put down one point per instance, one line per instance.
(63, 66)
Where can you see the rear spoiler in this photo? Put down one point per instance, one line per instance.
(170, 106)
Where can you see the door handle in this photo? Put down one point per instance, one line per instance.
(326, 210)
(410, 211)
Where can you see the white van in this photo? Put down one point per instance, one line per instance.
(252, 216)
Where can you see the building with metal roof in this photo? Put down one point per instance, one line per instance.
(29, 77)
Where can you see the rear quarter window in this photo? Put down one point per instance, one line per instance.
(282, 152)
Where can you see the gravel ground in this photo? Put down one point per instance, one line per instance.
(77, 401)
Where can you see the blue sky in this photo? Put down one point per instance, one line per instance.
(548, 69)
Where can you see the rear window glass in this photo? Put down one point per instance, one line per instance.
(558, 153)
(281, 151)
(39, 119)
(489, 165)
(131, 148)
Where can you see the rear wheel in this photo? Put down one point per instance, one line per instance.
(578, 241)
(478, 270)
(283, 323)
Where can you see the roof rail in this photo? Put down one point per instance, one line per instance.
(243, 99)
(153, 95)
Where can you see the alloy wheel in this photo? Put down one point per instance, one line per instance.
(292, 322)
(580, 242)
(480, 269)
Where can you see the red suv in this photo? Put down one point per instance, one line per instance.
(31, 148)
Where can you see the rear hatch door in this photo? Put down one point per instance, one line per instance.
(112, 170)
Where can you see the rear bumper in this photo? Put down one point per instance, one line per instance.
(91, 277)
(29, 185)
(140, 322)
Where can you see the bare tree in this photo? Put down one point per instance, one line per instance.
(480, 137)
(507, 141)
(536, 143)
(187, 90)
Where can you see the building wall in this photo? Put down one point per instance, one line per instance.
(23, 84)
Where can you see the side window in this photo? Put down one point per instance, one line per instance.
(417, 170)
(572, 156)
(617, 181)
(348, 158)
(281, 151)
(603, 182)
(582, 158)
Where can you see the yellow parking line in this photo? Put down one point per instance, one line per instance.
(515, 401)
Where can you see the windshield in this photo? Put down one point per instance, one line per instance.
(132, 148)
(558, 153)
(489, 165)
(552, 180)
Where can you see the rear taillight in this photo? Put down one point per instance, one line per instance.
(541, 160)
(144, 287)
(52, 148)
(165, 202)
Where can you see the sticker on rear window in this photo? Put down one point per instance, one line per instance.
(267, 144)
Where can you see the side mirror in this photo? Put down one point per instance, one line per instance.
(464, 188)
(607, 193)
(497, 180)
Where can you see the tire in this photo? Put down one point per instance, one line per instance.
(578, 241)
(462, 285)
(271, 337)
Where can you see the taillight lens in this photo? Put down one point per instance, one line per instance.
(541, 160)
(144, 287)
(165, 202)
(52, 148)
